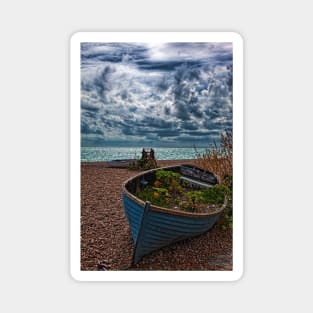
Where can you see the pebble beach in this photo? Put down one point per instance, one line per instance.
(106, 241)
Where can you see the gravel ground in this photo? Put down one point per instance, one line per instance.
(106, 241)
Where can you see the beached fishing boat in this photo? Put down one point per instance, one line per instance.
(122, 163)
(154, 227)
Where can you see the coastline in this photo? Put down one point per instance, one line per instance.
(106, 236)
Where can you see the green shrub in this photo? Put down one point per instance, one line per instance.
(167, 192)
(167, 177)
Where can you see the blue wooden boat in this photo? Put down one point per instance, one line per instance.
(154, 227)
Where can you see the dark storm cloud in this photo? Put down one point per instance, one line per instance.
(164, 83)
(149, 127)
(224, 57)
(185, 94)
(145, 131)
(124, 94)
(94, 53)
(163, 66)
(187, 125)
(87, 129)
(157, 122)
(168, 133)
(102, 82)
(88, 114)
(162, 93)
(167, 110)
(89, 106)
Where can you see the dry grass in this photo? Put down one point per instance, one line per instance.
(218, 160)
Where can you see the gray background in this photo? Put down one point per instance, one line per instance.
(34, 167)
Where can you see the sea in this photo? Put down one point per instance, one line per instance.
(98, 154)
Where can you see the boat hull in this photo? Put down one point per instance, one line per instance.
(154, 227)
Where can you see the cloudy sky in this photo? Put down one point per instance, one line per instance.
(155, 94)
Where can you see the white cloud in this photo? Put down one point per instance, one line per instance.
(122, 101)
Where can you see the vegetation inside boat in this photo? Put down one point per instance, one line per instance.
(170, 189)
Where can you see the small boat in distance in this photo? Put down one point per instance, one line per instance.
(154, 227)
(122, 163)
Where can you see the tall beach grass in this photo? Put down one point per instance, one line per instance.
(218, 159)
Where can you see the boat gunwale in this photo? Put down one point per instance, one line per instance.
(167, 210)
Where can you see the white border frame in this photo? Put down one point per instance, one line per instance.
(237, 271)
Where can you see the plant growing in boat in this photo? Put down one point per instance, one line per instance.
(170, 191)
(166, 178)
